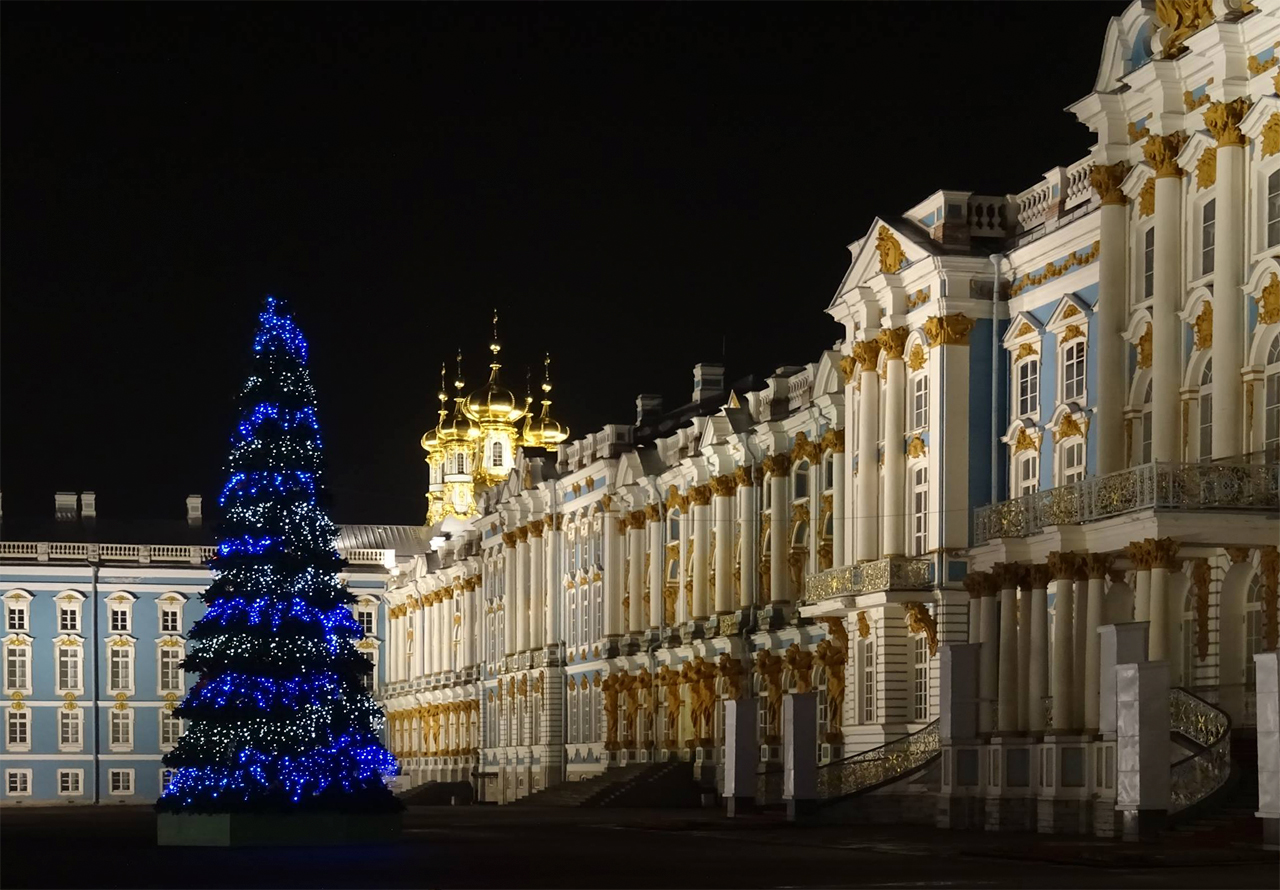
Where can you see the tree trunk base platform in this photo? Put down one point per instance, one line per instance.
(275, 829)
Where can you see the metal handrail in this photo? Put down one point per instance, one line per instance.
(876, 766)
(1196, 776)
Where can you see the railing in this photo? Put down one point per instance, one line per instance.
(1195, 777)
(1061, 189)
(889, 573)
(1198, 486)
(873, 768)
(145, 553)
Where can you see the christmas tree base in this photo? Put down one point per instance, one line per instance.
(275, 829)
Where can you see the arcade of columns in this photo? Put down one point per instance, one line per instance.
(1014, 671)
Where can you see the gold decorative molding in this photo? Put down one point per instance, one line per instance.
(919, 621)
(675, 500)
(1206, 168)
(535, 528)
(1071, 311)
(1256, 67)
(915, 448)
(1191, 103)
(864, 627)
(1069, 427)
(577, 489)
(1203, 326)
(590, 483)
(1248, 410)
(1025, 330)
(1200, 575)
(832, 440)
(1053, 270)
(848, 368)
(1106, 180)
(1136, 133)
(804, 448)
(1025, 442)
(1164, 553)
(1072, 332)
(778, 464)
(1144, 348)
(1162, 152)
(509, 539)
(916, 359)
(1147, 198)
(1269, 566)
(948, 330)
(1223, 120)
(1025, 350)
(891, 256)
(1269, 301)
(1181, 19)
(893, 341)
(918, 299)
(867, 354)
(1271, 135)
(1186, 427)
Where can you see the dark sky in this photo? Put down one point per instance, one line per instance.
(637, 187)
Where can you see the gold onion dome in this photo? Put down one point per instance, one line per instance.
(458, 426)
(493, 402)
(431, 438)
(543, 432)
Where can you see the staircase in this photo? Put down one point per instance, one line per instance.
(657, 785)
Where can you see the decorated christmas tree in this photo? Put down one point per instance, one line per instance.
(279, 719)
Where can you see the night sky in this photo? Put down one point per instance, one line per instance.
(636, 187)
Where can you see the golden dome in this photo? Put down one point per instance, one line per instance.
(544, 432)
(457, 426)
(431, 438)
(493, 403)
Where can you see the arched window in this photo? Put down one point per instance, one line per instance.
(920, 402)
(1206, 412)
(801, 481)
(1146, 425)
(829, 471)
(920, 511)
(495, 454)
(1028, 479)
(1253, 638)
(1029, 388)
(460, 463)
(1071, 460)
(673, 526)
(1208, 215)
(1271, 444)
(1073, 372)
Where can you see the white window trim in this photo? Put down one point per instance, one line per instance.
(130, 717)
(1263, 168)
(160, 776)
(124, 601)
(1195, 276)
(79, 774)
(72, 601)
(170, 601)
(115, 643)
(74, 642)
(31, 729)
(1063, 345)
(133, 785)
(19, 641)
(23, 772)
(1016, 395)
(163, 715)
(176, 644)
(76, 715)
(17, 600)
(1059, 463)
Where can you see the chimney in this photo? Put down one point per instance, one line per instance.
(88, 506)
(64, 506)
(648, 408)
(193, 510)
(708, 382)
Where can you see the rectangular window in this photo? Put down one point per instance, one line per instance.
(69, 725)
(170, 728)
(122, 729)
(1206, 427)
(69, 781)
(920, 512)
(1207, 214)
(170, 620)
(69, 659)
(1073, 372)
(1271, 445)
(17, 669)
(69, 618)
(1072, 462)
(920, 680)
(18, 617)
(920, 403)
(366, 677)
(365, 617)
(1149, 263)
(1029, 388)
(1273, 209)
(868, 681)
(119, 620)
(1146, 437)
(17, 782)
(121, 669)
(1028, 473)
(170, 673)
(18, 734)
(120, 781)
(166, 779)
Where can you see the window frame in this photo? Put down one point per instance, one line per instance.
(121, 718)
(1206, 236)
(15, 717)
(65, 773)
(1065, 362)
(1066, 446)
(920, 402)
(18, 651)
(124, 648)
(128, 775)
(1032, 397)
(69, 648)
(73, 717)
(24, 775)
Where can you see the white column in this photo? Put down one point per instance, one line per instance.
(779, 466)
(1038, 669)
(1063, 566)
(1098, 565)
(429, 642)
(1110, 309)
(657, 565)
(636, 581)
(845, 505)
(700, 511)
(988, 659)
(1223, 120)
(420, 641)
(1142, 593)
(894, 518)
(614, 542)
(1024, 650)
(555, 581)
(1166, 554)
(522, 589)
(868, 478)
(838, 507)
(509, 591)
(1077, 663)
(537, 586)
(748, 559)
(446, 630)
(469, 595)
(1166, 330)
(1007, 690)
(723, 489)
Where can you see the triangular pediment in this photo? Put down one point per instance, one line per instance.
(888, 248)
(1258, 116)
(1024, 327)
(1070, 310)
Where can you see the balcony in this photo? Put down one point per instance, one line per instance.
(889, 573)
(1157, 486)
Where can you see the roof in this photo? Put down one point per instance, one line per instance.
(109, 531)
(403, 539)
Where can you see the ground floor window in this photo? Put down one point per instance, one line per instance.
(120, 781)
(69, 781)
(17, 781)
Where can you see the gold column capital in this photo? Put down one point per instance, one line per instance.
(1106, 180)
(867, 353)
(893, 341)
(1223, 120)
(1063, 565)
(1161, 153)
(1097, 565)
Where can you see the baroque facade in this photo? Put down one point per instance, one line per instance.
(1052, 412)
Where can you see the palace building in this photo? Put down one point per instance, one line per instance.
(939, 573)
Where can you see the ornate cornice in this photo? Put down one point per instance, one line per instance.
(948, 330)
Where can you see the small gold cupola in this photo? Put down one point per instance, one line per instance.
(493, 403)
(544, 432)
